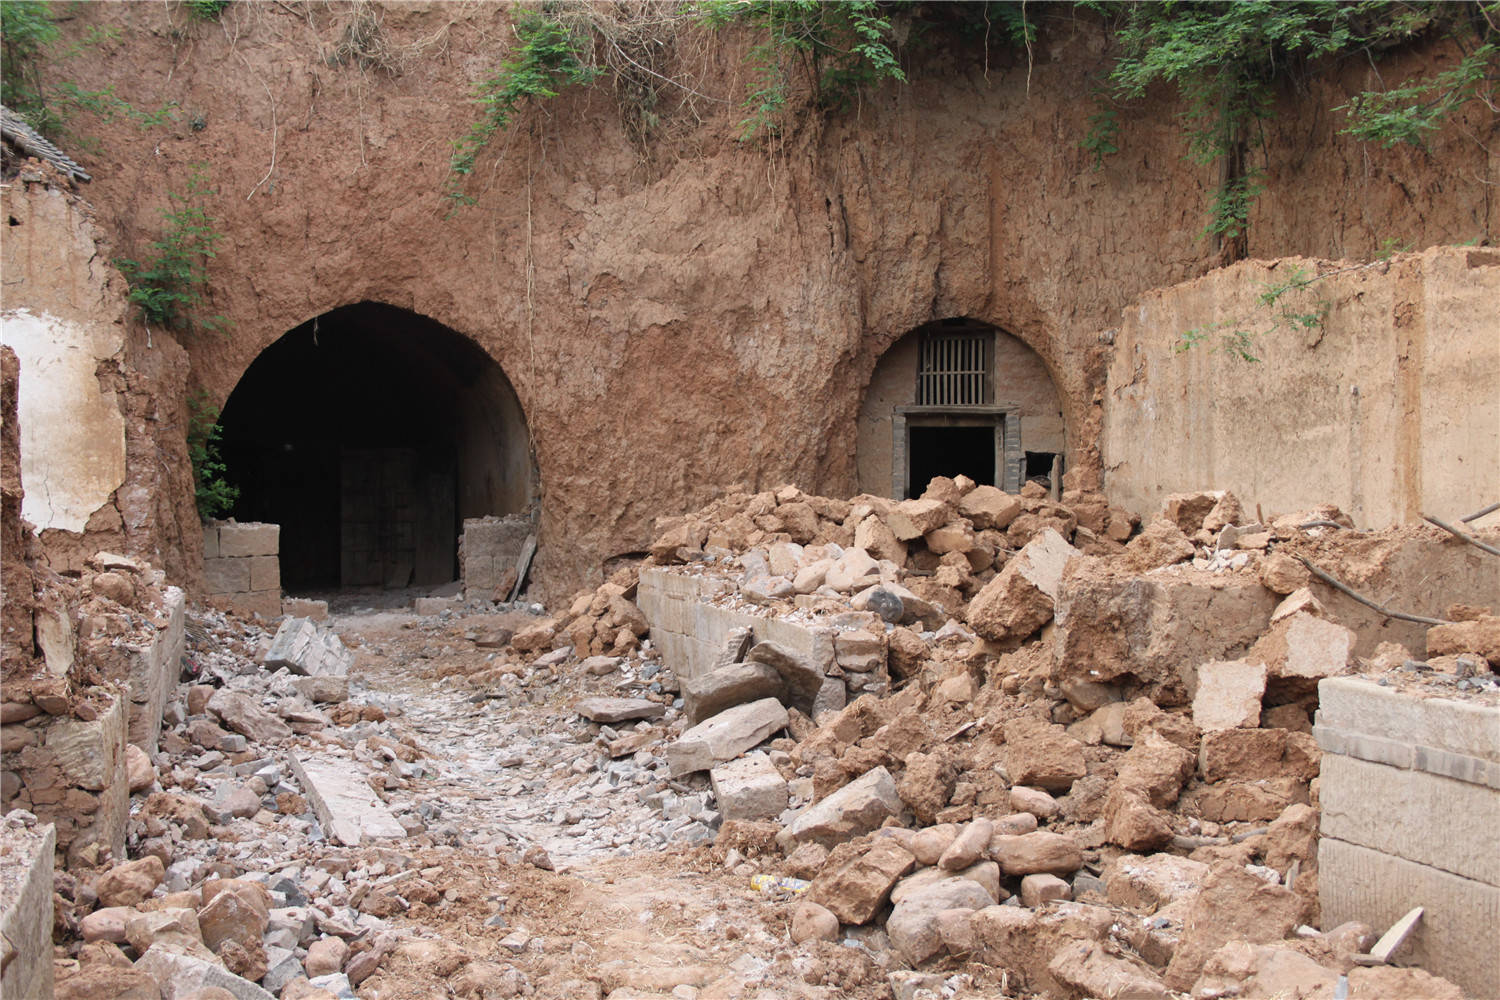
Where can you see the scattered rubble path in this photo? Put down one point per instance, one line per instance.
(625, 913)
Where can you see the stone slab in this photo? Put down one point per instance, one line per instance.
(725, 736)
(346, 806)
(1456, 937)
(26, 920)
(613, 710)
(1359, 705)
(1447, 824)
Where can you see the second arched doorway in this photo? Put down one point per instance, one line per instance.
(959, 397)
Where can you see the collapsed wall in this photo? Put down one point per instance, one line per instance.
(1373, 387)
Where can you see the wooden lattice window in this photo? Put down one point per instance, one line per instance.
(954, 369)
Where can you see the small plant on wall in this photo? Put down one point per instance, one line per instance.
(170, 285)
(213, 493)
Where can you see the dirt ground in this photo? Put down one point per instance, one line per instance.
(642, 925)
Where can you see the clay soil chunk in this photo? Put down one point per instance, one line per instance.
(1030, 853)
(1042, 755)
(1021, 599)
(725, 736)
(858, 807)
(1232, 904)
(855, 891)
(913, 925)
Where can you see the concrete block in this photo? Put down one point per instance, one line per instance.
(1359, 705)
(265, 573)
(1422, 817)
(26, 920)
(227, 576)
(346, 806)
(250, 539)
(749, 788)
(725, 736)
(1456, 938)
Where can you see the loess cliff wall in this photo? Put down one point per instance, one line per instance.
(690, 312)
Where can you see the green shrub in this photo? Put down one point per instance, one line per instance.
(213, 493)
(168, 287)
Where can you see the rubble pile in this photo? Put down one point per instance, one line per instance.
(1098, 772)
(978, 739)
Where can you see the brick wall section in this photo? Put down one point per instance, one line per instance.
(71, 772)
(1410, 799)
(242, 566)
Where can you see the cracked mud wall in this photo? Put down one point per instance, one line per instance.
(1388, 407)
(103, 460)
(708, 313)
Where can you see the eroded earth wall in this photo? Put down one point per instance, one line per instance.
(688, 312)
(101, 401)
(1387, 405)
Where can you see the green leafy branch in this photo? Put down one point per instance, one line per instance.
(549, 55)
(213, 493)
(843, 49)
(168, 287)
(30, 39)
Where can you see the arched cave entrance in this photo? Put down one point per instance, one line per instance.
(959, 397)
(369, 434)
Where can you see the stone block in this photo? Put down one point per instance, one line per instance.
(1229, 693)
(1156, 628)
(265, 603)
(1456, 936)
(322, 690)
(211, 541)
(1030, 853)
(301, 607)
(1359, 705)
(26, 911)
(1422, 817)
(348, 809)
(305, 648)
(913, 924)
(857, 808)
(488, 547)
(749, 788)
(1257, 754)
(180, 976)
(1043, 888)
(710, 693)
(1302, 649)
(227, 576)
(249, 539)
(265, 574)
(610, 711)
(153, 672)
(725, 736)
(803, 677)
